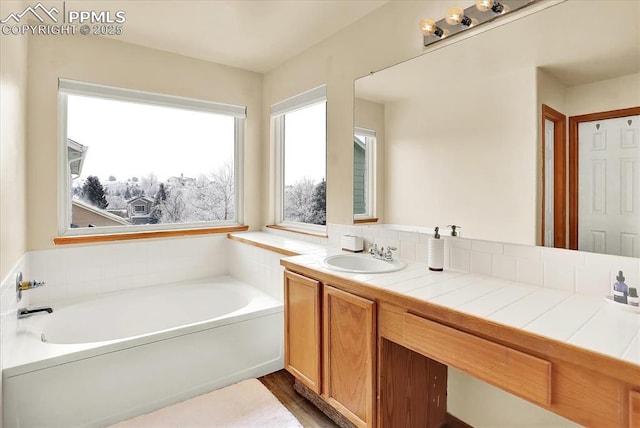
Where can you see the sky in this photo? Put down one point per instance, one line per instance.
(305, 151)
(128, 139)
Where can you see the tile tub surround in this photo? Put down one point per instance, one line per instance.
(558, 269)
(79, 271)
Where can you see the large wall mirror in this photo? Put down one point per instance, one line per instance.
(477, 133)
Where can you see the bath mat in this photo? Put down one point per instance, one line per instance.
(247, 404)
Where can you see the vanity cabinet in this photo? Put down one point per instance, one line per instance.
(332, 333)
(302, 329)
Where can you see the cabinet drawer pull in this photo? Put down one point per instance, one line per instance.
(521, 374)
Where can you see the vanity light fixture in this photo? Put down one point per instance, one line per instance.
(429, 28)
(492, 5)
(456, 16)
(458, 19)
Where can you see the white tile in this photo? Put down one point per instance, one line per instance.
(421, 253)
(460, 259)
(504, 267)
(632, 354)
(610, 331)
(461, 243)
(496, 300)
(559, 276)
(428, 278)
(409, 236)
(467, 294)
(528, 252)
(440, 288)
(408, 250)
(530, 271)
(480, 263)
(565, 319)
(593, 280)
(487, 247)
(529, 308)
(562, 256)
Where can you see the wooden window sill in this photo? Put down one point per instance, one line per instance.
(302, 232)
(90, 239)
(365, 220)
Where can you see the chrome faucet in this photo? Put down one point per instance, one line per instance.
(24, 312)
(381, 254)
(25, 285)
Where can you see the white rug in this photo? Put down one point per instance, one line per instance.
(247, 404)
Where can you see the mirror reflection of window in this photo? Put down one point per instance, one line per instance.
(363, 149)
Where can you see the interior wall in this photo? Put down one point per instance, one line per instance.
(447, 160)
(383, 38)
(13, 203)
(370, 115)
(605, 95)
(111, 62)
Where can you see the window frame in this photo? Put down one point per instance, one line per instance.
(68, 87)
(370, 141)
(278, 111)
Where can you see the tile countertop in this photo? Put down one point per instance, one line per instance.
(584, 321)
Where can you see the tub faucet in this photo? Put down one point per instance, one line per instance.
(24, 312)
(25, 285)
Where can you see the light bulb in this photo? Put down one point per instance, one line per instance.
(429, 28)
(485, 5)
(456, 16)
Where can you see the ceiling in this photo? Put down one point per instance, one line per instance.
(255, 35)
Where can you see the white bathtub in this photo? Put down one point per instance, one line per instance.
(102, 360)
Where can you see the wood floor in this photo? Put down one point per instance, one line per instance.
(280, 384)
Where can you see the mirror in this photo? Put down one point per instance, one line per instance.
(462, 124)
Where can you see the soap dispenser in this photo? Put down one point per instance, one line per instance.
(436, 251)
(620, 289)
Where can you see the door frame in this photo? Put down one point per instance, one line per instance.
(574, 121)
(559, 175)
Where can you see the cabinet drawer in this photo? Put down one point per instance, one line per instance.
(514, 371)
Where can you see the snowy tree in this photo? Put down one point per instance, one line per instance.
(298, 201)
(158, 202)
(319, 203)
(149, 184)
(93, 192)
(174, 208)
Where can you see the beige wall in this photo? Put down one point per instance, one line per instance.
(13, 205)
(383, 38)
(451, 162)
(605, 95)
(370, 115)
(110, 62)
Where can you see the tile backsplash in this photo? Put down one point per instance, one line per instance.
(554, 268)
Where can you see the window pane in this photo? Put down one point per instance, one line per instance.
(359, 175)
(305, 146)
(136, 164)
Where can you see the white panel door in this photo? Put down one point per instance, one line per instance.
(609, 186)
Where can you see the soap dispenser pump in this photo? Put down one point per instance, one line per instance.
(436, 251)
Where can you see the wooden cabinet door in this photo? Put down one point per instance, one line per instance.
(349, 355)
(302, 329)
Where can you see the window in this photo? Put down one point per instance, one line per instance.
(364, 141)
(143, 161)
(300, 133)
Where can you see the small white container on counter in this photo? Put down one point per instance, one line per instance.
(352, 243)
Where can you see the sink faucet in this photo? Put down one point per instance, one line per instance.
(24, 312)
(381, 254)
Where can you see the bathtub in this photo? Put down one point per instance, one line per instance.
(97, 361)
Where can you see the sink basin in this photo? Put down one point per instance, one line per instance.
(362, 263)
